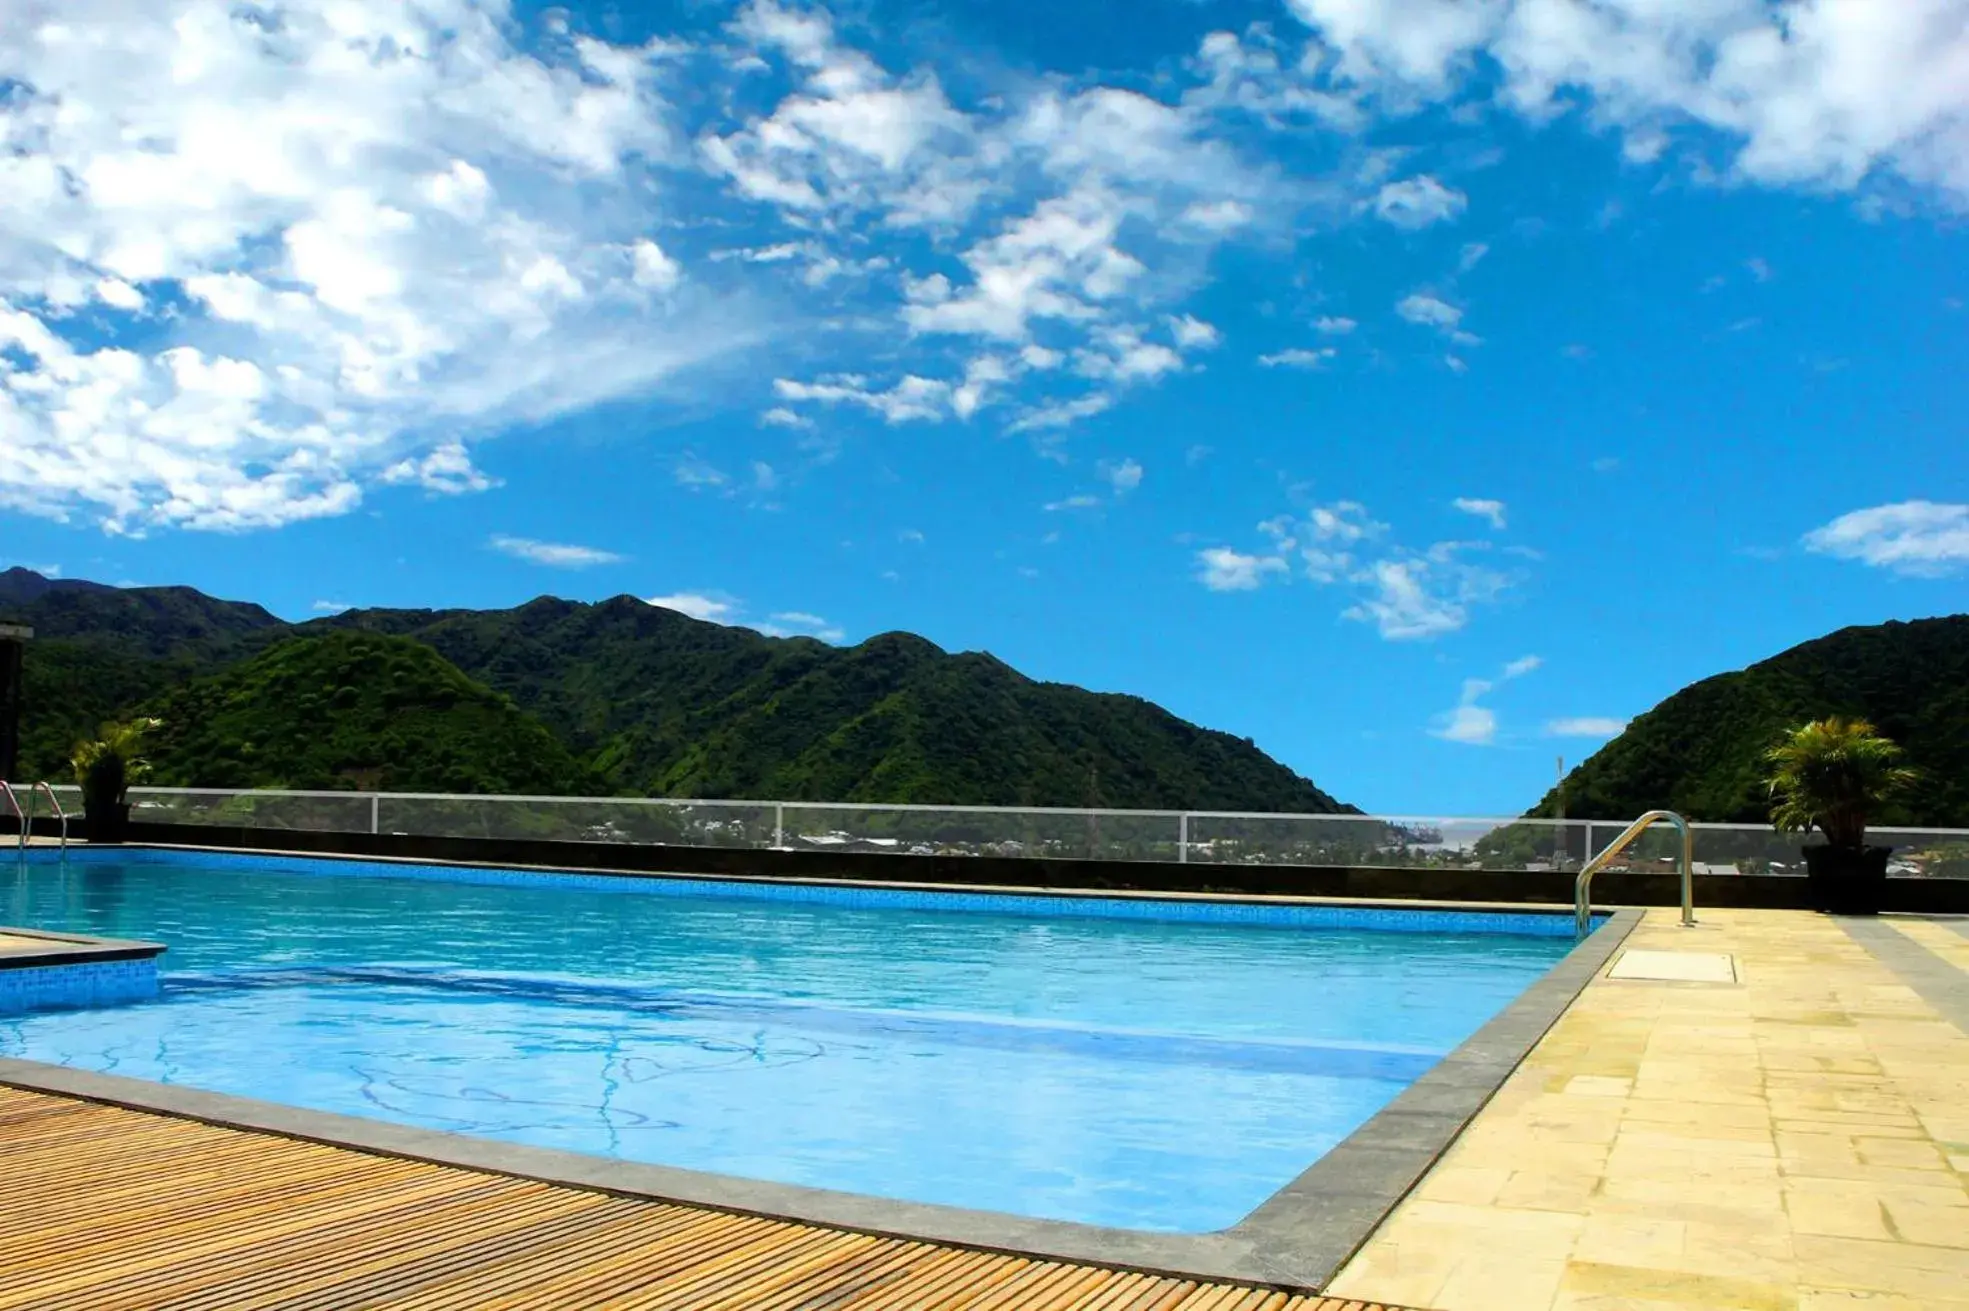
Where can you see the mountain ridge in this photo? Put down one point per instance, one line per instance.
(649, 701)
(1700, 751)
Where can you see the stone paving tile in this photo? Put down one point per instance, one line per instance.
(1945, 940)
(1798, 1141)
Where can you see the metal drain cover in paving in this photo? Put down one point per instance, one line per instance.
(1676, 966)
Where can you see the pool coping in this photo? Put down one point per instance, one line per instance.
(71, 949)
(1297, 1239)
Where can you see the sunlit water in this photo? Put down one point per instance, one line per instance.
(1116, 1072)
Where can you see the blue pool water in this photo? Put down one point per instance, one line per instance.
(1130, 1071)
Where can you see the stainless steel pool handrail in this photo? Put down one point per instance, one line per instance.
(1582, 886)
(45, 786)
(14, 803)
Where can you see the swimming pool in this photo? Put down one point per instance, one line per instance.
(1146, 1064)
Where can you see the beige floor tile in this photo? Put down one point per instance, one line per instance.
(1598, 1085)
(1396, 1272)
(1799, 1141)
(1844, 1299)
(1605, 1287)
(1475, 1184)
(1907, 1269)
(1837, 1214)
(1610, 1238)
(1501, 1281)
(1927, 1224)
(1540, 1190)
(1902, 1154)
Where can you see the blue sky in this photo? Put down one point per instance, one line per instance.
(1419, 388)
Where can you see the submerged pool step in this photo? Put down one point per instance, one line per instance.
(1328, 1058)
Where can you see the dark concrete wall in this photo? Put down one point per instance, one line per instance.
(1764, 891)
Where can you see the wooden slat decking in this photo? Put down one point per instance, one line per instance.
(104, 1208)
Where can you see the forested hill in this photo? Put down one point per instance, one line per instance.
(1700, 752)
(637, 699)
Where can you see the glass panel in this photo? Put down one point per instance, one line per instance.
(1061, 835)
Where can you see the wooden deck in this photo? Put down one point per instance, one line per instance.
(103, 1208)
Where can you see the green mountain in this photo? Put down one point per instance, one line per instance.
(641, 700)
(1700, 751)
(354, 709)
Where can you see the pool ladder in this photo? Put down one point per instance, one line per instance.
(26, 817)
(1582, 886)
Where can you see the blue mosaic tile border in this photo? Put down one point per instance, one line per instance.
(1554, 924)
(89, 983)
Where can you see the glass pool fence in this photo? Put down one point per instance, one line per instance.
(1197, 837)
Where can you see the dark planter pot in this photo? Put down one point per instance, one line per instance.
(108, 824)
(1848, 880)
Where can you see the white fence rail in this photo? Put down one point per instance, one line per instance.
(1192, 836)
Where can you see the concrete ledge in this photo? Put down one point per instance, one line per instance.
(1298, 1239)
(22, 949)
(1364, 883)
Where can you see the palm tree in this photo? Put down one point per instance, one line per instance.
(105, 769)
(1835, 775)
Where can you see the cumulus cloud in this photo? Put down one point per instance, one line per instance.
(1476, 725)
(1918, 539)
(1491, 512)
(1298, 357)
(1593, 726)
(696, 605)
(1467, 722)
(1122, 475)
(798, 623)
(1418, 202)
(1823, 93)
(1429, 311)
(1405, 593)
(1334, 325)
(1223, 570)
(558, 555)
(358, 215)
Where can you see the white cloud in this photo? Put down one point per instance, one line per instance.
(1918, 539)
(1585, 726)
(556, 554)
(1523, 665)
(1296, 357)
(1192, 333)
(1223, 570)
(448, 469)
(1430, 311)
(1406, 594)
(1806, 92)
(1472, 254)
(696, 605)
(911, 398)
(781, 417)
(1468, 722)
(1334, 325)
(1062, 414)
(697, 474)
(329, 607)
(1490, 511)
(360, 214)
(798, 623)
(1124, 476)
(1081, 501)
(655, 269)
(1418, 202)
(1403, 605)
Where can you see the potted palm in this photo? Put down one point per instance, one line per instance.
(105, 768)
(1834, 775)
